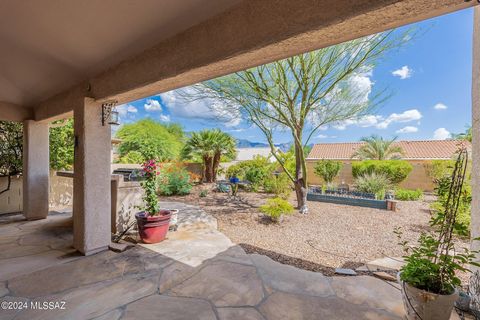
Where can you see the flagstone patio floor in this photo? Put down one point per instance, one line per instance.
(197, 273)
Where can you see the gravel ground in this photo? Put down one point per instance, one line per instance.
(329, 236)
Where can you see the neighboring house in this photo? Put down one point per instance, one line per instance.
(418, 153)
(249, 153)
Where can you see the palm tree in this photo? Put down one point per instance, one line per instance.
(210, 146)
(377, 148)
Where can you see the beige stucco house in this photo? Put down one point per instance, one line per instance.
(419, 153)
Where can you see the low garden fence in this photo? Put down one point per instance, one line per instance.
(352, 198)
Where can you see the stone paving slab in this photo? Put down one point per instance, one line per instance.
(224, 284)
(171, 308)
(198, 273)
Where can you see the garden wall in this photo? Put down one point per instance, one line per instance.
(417, 179)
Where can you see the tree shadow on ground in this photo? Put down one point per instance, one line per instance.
(297, 262)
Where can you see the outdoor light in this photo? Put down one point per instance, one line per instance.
(110, 113)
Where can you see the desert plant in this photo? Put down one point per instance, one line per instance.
(375, 183)
(203, 193)
(327, 169)
(275, 208)
(377, 148)
(408, 195)
(279, 185)
(174, 180)
(255, 171)
(395, 170)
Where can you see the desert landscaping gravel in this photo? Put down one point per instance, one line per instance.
(329, 236)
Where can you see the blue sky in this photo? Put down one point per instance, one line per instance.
(430, 79)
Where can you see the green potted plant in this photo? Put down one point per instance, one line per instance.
(429, 278)
(152, 222)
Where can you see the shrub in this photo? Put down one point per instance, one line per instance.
(275, 208)
(255, 171)
(279, 185)
(408, 195)
(203, 193)
(395, 170)
(376, 183)
(174, 180)
(327, 169)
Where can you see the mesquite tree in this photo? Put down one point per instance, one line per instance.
(301, 94)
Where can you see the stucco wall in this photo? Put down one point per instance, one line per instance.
(417, 179)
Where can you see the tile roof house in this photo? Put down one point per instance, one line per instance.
(412, 150)
(418, 153)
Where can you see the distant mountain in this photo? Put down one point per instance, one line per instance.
(244, 143)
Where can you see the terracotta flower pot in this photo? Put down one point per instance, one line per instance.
(423, 305)
(153, 229)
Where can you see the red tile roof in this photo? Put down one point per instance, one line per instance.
(425, 149)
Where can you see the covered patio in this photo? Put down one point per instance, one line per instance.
(77, 59)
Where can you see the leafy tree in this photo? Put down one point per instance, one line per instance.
(62, 141)
(132, 157)
(209, 145)
(151, 139)
(11, 150)
(327, 169)
(377, 148)
(300, 94)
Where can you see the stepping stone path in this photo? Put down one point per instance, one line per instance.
(197, 273)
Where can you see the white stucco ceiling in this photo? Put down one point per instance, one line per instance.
(47, 46)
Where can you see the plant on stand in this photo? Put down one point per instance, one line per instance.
(429, 278)
(152, 222)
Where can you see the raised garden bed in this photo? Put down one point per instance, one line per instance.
(350, 198)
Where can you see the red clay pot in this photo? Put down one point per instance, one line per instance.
(153, 229)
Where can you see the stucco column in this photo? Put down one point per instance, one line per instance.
(91, 183)
(475, 213)
(36, 169)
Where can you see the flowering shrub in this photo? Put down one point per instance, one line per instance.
(150, 171)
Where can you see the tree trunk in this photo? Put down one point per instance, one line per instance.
(300, 181)
(207, 160)
(215, 164)
(301, 193)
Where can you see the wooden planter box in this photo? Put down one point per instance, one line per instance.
(359, 202)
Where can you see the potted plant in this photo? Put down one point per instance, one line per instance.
(152, 222)
(429, 279)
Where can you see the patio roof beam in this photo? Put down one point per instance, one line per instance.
(250, 34)
(13, 112)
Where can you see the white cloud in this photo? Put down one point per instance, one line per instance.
(132, 109)
(322, 136)
(403, 73)
(441, 134)
(406, 116)
(323, 128)
(205, 109)
(407, 129)
(165, 118)
(152, 105)
(125, 109)
(380, 122)
(440, 106)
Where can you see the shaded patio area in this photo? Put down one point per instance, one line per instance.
(38, 264)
